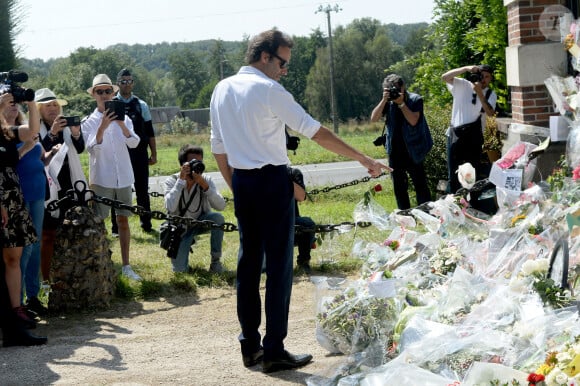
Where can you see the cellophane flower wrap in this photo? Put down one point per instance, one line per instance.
(470, 295)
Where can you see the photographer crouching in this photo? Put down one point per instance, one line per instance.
(407, 140)
(473, 101)
(191, 194)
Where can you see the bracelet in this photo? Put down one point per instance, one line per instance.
(52, 136)
(401, 105)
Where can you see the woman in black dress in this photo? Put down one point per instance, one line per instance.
(19, 230)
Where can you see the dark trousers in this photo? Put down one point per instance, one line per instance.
(140, 164)
(403, 168)
(264, 207)
(304, 240)
(462, 148)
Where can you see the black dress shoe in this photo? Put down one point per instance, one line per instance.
(21, 337)
(285, 362)
(254, 359)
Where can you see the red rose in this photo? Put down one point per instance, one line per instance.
(535, 378)
(378, 188)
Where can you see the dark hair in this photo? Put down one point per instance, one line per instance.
(393, 80)
(267, 41)
(486, 68)
(122, 73)
(188, 149)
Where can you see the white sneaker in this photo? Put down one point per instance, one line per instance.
(128, 271)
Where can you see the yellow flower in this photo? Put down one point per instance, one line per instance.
(573, 367)
(544, 369)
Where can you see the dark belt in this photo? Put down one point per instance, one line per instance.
(264, 169)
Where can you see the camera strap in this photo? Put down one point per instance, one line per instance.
(183, 209)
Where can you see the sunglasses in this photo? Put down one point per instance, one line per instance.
(108, 91)
(125, 81)
(473, 98)
(283, 63)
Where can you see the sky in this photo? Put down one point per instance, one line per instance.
(56, 28)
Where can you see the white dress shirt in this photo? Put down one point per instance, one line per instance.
(249, 112)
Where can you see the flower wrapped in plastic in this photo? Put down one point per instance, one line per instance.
(564, 93)
(451, 355)
(354, 320)
(515, 170)
(445, 259)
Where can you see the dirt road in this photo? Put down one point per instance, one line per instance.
(189, 340)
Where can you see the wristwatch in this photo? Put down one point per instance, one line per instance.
(401, 105)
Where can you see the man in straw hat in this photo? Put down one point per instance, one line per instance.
(110, 173)
(65, 144)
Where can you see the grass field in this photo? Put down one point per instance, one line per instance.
(333, 255)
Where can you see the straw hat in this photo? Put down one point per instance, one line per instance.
(102, 80)
(45, 95)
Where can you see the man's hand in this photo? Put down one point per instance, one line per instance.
(152, 160)
(374, 167)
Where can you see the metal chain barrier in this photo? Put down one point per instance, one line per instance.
(80, 192)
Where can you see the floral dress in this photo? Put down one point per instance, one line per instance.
(19, 231)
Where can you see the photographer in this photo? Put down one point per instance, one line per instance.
(408, 139)
(473, 101)
(65, 143)
(191, 194)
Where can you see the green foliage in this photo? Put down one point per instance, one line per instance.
(10, 18)
(358, 83)
(189, 74)
(464, 32)
(438, 118)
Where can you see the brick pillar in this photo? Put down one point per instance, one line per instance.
(531, 101)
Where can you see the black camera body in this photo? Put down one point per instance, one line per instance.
(73, 121)
(475, 77)
(381, 140)
(196, 166)
(9, 85)
(394, 93)
(173, 240)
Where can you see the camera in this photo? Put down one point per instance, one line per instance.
(380, 140)
(73, 121)
(474, 77)
(8, 84)
(196, 166)
(173, 240)
(394, 93)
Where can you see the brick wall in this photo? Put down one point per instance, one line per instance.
(530, 104)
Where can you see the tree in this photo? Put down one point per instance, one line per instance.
(363, 51)
(10, 17)
(303, 57)
(465, 32)
(189, 75)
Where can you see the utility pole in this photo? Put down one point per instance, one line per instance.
(328, 9)
(222, 68)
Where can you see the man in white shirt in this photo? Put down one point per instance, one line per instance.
(249, 112)
(473, 101)
(107, 139)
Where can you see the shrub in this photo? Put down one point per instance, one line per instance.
(438, 118)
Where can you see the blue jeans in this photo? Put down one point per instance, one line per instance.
(30, 260)
(264, 207)
(181, 262)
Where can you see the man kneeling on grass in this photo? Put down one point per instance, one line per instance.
(192, 194)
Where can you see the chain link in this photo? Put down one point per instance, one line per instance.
(205, 225)
(343, 185)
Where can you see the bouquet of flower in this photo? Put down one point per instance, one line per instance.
(445, 259)
(534, 274)
(353, 320)
(561, 368)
